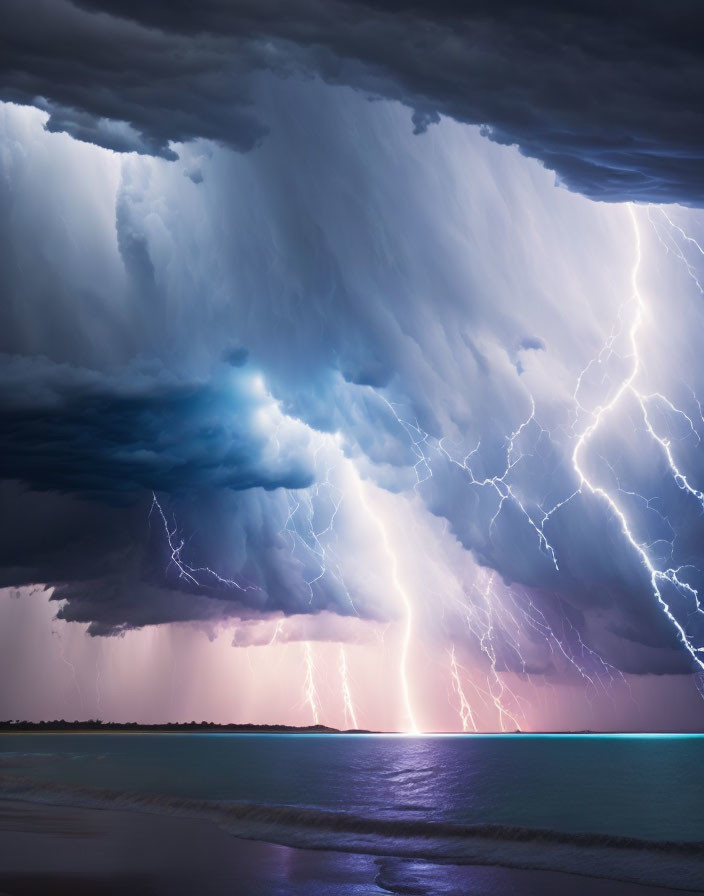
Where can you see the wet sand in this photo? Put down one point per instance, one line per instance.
(64, 851)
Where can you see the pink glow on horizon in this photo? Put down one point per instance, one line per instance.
(184, 673)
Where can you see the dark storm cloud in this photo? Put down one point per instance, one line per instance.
(70, 430)
(110, 564)
(107, 563)
(127, 88)
(609, 96)
(81, 454)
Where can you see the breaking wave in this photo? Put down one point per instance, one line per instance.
(673, 864)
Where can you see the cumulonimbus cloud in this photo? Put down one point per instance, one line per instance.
(407, 281)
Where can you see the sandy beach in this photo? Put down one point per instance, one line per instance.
(58, 850)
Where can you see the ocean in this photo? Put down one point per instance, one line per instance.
(619, 807)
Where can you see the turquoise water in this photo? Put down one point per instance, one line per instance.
(646, 786)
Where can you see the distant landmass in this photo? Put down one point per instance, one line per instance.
(97, 725)
(16, 725)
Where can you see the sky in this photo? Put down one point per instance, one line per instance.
(350, 364)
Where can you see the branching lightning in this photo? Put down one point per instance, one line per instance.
(310, 524)
(628, 386)
(671, 238)
(196, 575)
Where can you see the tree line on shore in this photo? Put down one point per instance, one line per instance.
(10, 725)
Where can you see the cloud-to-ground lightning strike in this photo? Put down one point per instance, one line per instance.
(310, 691)
(465, 709)
(67, 662)
(488, 617)
(483, 630)
(350, 714)
(412, 725)
(497, 687)
(98, 689)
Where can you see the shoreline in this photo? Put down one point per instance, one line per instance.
(644, 866)
(60, 849)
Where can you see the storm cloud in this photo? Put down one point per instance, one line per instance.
(346, 341)
(608, 96)
(65, 430)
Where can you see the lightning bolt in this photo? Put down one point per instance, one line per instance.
(310, 523)
(67, 662)
(350, 714)
(417, 438)
(423, 446)
(98, 691)
(399, 588)
(501, 484)
(192, 574)
(465, 710)
(626, 387)
(277, 631)
(311, 693)
(497, 687)
(536, 619)
(670, 242)
(203, 575)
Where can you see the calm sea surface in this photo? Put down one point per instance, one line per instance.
(646, 786)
